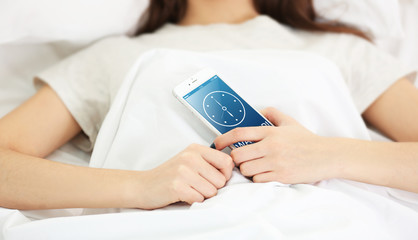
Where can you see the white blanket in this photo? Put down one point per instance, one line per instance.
(147, 125)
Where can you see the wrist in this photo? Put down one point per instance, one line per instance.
(133, 189)
(338, 150)
(351, 158)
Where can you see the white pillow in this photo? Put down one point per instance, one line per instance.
(380, 19)
(34, 21)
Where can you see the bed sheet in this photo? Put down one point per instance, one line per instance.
(331, 209)
(18, 64)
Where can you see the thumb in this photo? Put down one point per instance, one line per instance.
(276, 117)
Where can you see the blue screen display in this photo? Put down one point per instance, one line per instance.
(223, 108)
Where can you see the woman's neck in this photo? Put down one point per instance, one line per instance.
(204, 12)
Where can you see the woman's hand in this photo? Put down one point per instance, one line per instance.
(287, 153)
(191, 176)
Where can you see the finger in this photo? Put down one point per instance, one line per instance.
(265, 177)
(276, 117)
(211, 174)
(247, 153)
(221, 161)
(190, 195)
(255, 167)
(200, 184)
(252, 134)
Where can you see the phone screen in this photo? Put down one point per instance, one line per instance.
(223, 108)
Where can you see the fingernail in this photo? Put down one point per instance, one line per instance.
(213, 146)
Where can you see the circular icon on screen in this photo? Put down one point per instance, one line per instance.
(224, 108)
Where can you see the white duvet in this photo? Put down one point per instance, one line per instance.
(147, 125)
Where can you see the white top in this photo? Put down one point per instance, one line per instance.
(88, 81)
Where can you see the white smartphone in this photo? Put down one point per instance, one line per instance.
(216, 104)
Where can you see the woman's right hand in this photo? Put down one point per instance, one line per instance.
(191, 176)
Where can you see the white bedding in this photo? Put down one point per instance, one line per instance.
(342, 202)
(20, 63)
(242, 211)
(334, 209)
(145, 118)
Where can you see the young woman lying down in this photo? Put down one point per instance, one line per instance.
(75, 95)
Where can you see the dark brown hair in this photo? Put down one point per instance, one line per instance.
(298, 14)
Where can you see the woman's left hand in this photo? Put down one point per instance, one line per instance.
(287, 153)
